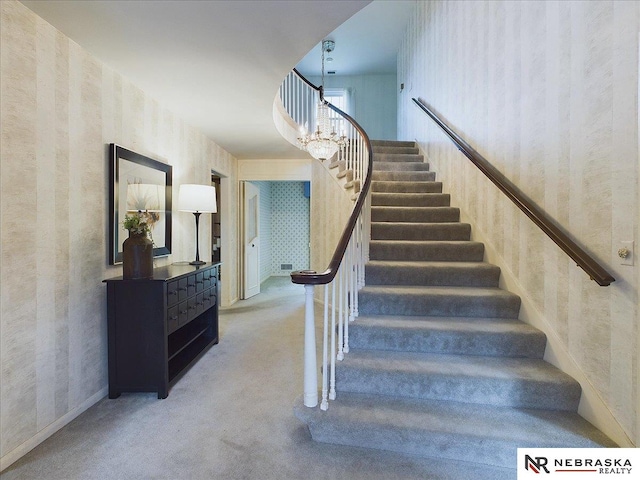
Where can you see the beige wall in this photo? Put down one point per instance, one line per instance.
(60, 109)
(548, 92)
(331, 206)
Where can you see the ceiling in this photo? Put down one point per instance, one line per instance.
(367, 43)
(218, 63)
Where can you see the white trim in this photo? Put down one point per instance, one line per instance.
(275, 169)
(21, 450)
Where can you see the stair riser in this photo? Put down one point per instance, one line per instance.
(405, 187)
(403, 176)
(397, 158)
(494, 344)
(392, 143)
(396, 150)
(400, 166)
(346, 174)
(484, 275)
(459, 388)
(420, 251)
(411, 199)
(390, 303)
(420, 231)
(415, 214)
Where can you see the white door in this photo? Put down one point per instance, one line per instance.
(251, 240)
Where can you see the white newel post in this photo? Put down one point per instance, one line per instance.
(310, 368)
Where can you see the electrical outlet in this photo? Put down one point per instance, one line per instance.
(626, 253)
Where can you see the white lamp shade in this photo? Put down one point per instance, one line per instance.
(197, 198)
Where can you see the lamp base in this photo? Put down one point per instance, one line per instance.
(197, 262)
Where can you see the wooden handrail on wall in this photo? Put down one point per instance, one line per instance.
(595, 271)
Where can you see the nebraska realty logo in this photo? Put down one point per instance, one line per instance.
(584, 463)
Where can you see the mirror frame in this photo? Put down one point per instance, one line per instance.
(123, 163)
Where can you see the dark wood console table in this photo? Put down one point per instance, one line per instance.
(159, 327)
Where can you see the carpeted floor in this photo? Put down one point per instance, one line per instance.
(230, 417)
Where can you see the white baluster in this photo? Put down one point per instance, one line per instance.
(347, 296)
(340, 316)
(324, 404)
(310, 367)
(358, 266)
(332, 390)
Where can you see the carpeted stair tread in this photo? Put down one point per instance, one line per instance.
(476, 274)
(403, 176)
(420, 231)
(415, 214)
(438, 364)
(476, 433)
(501, 381)
(438, 301)
(392, 158)
(426, 250)
(453, 335)
(410, 199)
(398, 166)
(397, 186)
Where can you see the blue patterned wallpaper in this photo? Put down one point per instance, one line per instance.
(289, 227)
(284, 228)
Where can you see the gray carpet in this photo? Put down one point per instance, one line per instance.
(439, 364)
(230, 417)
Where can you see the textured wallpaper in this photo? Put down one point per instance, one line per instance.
(548, 92)
(60, 109)
(331, 206)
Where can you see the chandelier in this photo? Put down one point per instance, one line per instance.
(324, 142)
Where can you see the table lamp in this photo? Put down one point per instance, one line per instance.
(197, 199)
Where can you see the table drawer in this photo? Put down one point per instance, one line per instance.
(173, 319)
(183, 293)
(183, 313)
(199, 282)
(172, 293)
(191, 285)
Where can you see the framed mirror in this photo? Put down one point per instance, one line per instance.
(143, 185)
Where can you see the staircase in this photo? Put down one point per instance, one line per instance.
(439, 364)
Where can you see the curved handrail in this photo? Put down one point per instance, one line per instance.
(309, 277)
(309, 84)
(595, 271)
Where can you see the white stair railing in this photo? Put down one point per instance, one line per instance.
(344, 276)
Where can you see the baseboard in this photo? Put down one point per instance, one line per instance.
(592, 407)
(232, 302)
(21, 450)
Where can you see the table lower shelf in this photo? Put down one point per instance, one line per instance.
(190, 353)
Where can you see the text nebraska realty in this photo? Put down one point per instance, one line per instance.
(608, 465)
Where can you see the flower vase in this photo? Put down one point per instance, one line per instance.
(137, 253)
